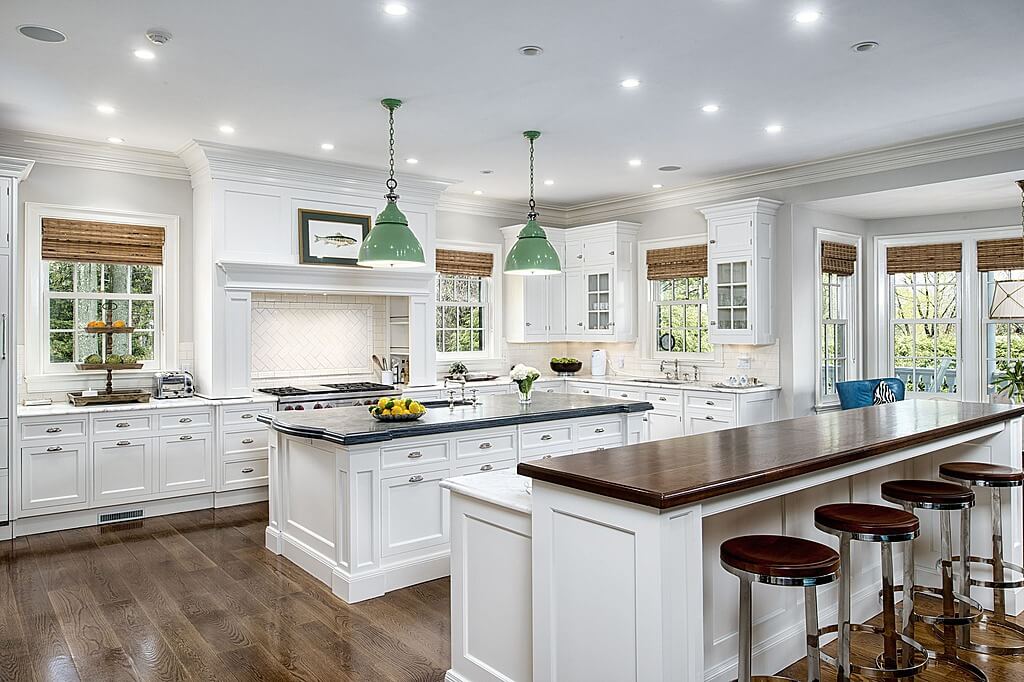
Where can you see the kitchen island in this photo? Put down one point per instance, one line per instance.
(359, 504)
(626, 581)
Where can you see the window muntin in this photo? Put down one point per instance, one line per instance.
(461, 313)
(681, 313)
(925, 330)
(834, 333)
(77, 293)
(1003, 341)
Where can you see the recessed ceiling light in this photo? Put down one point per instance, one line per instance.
(709, 108)
(412, 161)
(669, 169)
(808, 16)
(635, 163)
(630, 83)
(773, 129)
(115, 140)
(486, 171)
(227, 129)
(549, 182)
(42, 33)
(478, 192)
(656, 186)
(105, 108)
(327, 146)
(396, 9)
(143, 53)
(531, 50)
(864, 46)
(158, 36)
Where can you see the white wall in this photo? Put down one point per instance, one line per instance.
(464, 227)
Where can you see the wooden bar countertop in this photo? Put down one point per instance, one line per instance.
(670, 473)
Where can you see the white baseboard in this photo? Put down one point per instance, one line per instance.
(272, 538)
(452, 676)
(305, 558)
(233, 498)
(31, 525)
(368, 585)
(7, 532)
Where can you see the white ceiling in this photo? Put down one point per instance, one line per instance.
(291, 75)
(955, 196)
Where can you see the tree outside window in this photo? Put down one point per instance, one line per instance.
(461, 313)
(681, 315)
(1004, 339)
(926, 330)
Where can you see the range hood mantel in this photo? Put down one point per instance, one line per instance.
(248, 276)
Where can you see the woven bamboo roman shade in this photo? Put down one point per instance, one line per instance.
(464, 263)
(1000, 254)
(923, 258)
(678, 261)
(839, 259)
(92, 242)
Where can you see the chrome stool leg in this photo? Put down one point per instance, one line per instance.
(813, 641)
(746, 628)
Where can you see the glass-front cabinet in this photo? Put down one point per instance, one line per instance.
(731, 285)
(599, 291)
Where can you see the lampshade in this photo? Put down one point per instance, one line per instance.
(1007, 300)
(532, 254)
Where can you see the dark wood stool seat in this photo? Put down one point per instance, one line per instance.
(778, 556)
(867, 522)
(982, 474)
(928, 494)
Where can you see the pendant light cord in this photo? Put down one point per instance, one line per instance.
(532, 215)
(391, 183)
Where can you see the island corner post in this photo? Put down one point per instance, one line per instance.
(626, 577)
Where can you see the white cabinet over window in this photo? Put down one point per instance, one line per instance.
(741, 238)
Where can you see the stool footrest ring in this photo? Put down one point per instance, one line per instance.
(919, 660)
(769, 678)
(974, 608)
(990, 584)
(987, 623)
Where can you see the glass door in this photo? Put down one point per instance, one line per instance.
(599, 302)
(731, 295)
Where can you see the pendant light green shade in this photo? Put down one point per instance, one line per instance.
(532, 254)
(391, 243)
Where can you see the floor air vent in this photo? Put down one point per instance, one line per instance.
(117, 517)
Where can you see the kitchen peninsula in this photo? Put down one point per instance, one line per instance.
(359, 504)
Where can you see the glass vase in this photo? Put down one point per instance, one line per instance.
(525, 396)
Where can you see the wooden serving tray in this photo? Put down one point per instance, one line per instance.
(109, 330)
(105, 366)
(113, 398)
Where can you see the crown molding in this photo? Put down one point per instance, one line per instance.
(68, 151)
(556, 216)
(18, 169)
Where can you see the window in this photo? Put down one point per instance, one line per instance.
(834, 333)
(838, 313)
(1003, 341)
(925, 330)
(461, 313)
(77, 293)
(681, 315)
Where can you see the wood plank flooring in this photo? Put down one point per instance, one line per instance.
(196, 597)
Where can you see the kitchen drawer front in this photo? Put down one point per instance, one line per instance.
(56, 430)
(199, 419)
(582, 388)
(4, 496)
(603, 429)
(602, 444)
(244, 414)
(54, 477)
(664, 399)
(699, 421)
(420, 454)
(422, 396)
(245, 441)
(540, 454)
(484, 468)
(414, 512)
(125, 423)
(185, 463)
(245, 473)
(557, 386)
(710, 402)
(546, 437)
(486, 444)
(624, 393)
(122, 469)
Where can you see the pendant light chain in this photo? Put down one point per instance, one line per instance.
(532, 215)
(391, 183)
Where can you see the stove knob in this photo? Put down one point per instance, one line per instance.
(299, 407)
(328, 406)
(288, 408)
(318, 406)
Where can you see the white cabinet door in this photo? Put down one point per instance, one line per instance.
(664, 425)
(599, 287)
(535, 313)
(573, 253)
(598, 251)
(186, 462)
(556, 307)
(414, 512)
(730, 306)
(575, 304)
(122, 469)
(6, 334)
(730, 235)
(705, 423)
(54, 477)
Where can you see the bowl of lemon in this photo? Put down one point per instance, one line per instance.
(397, 410)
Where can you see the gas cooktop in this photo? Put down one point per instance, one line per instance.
(328, 395)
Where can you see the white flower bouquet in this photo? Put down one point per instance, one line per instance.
(524, 376)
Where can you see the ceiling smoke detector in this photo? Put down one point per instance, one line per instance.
(42, 33)
(669, 169)
(158, 36)
(864, 46)
(531, 50)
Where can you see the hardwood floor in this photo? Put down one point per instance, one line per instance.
(195, 596)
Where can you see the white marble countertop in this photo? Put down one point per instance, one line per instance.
(504, 488)
(57, 409)
(611, 379)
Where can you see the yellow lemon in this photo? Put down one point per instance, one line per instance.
(382, 402)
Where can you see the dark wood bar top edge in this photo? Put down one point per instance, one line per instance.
(671, 473)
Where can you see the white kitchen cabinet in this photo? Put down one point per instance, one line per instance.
(599, 290)
(575, 304)
(741, 241)
(714, 411)
(122, 469)
(54, 477)
(185, 462)
(664, 425)
(704, 423)
(414, 512)
(584, 388)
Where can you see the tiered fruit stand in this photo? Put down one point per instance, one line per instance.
(109, 396)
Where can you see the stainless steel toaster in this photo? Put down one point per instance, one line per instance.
(177, 384)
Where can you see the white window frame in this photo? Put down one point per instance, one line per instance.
(985, 323)
(647, 339)
(852, 302)
(492, 336)
(39, 375)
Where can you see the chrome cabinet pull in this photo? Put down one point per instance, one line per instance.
(122, 443)
(415, 479)
(599, 429)
(623, 395)
(185, 438)
(185, 420)
(586, 391)
(529, 324)
(710, 418)
(709, 402)
(663, 399)
(415, 454)
(247, 470)
(246, 416)
(611, 253)
(3, 337)
(546, 436)
(579, 256)
(485, 446)
(487, 467)
(247, 441)
(712, 241)
(54, 448)
(123, 425)
(579, 324)
(54, 429)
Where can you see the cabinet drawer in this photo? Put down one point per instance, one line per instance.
(245, 473)
(540, 454)
(486, 444)
(664, 398)
(580, 388)
(625, 393)
(598, 444)
(185, 463)
(484, 468)
(122, 469)
(54, 430)
(395, 456)
(599, 430)
(186, 420)
(545, 438)
(414, 512)
(245, 414)
(127, 423)
(710, 401)
(242, 441)
(700, 421)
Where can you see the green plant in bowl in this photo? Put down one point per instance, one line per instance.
(1010, 382)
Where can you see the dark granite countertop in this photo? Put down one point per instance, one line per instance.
(354, 425)
(670, 473)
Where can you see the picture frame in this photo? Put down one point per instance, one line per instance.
(329, 238)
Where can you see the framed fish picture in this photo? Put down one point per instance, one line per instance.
(327, 238)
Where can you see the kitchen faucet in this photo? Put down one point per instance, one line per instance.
(451, 394)
(696, 372)
(668, 375)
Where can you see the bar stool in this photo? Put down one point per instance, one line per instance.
(996, 477)
(884, 525)
(957, 608)
(784, 561)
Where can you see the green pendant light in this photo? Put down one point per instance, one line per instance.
(391, 244)
(532, 254)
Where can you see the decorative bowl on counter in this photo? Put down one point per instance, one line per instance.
(397, 410)
(565, 365)
(397, 417)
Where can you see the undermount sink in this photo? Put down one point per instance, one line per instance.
(663, 381)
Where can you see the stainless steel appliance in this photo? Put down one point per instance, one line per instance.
(177, 384)
(324, 396)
